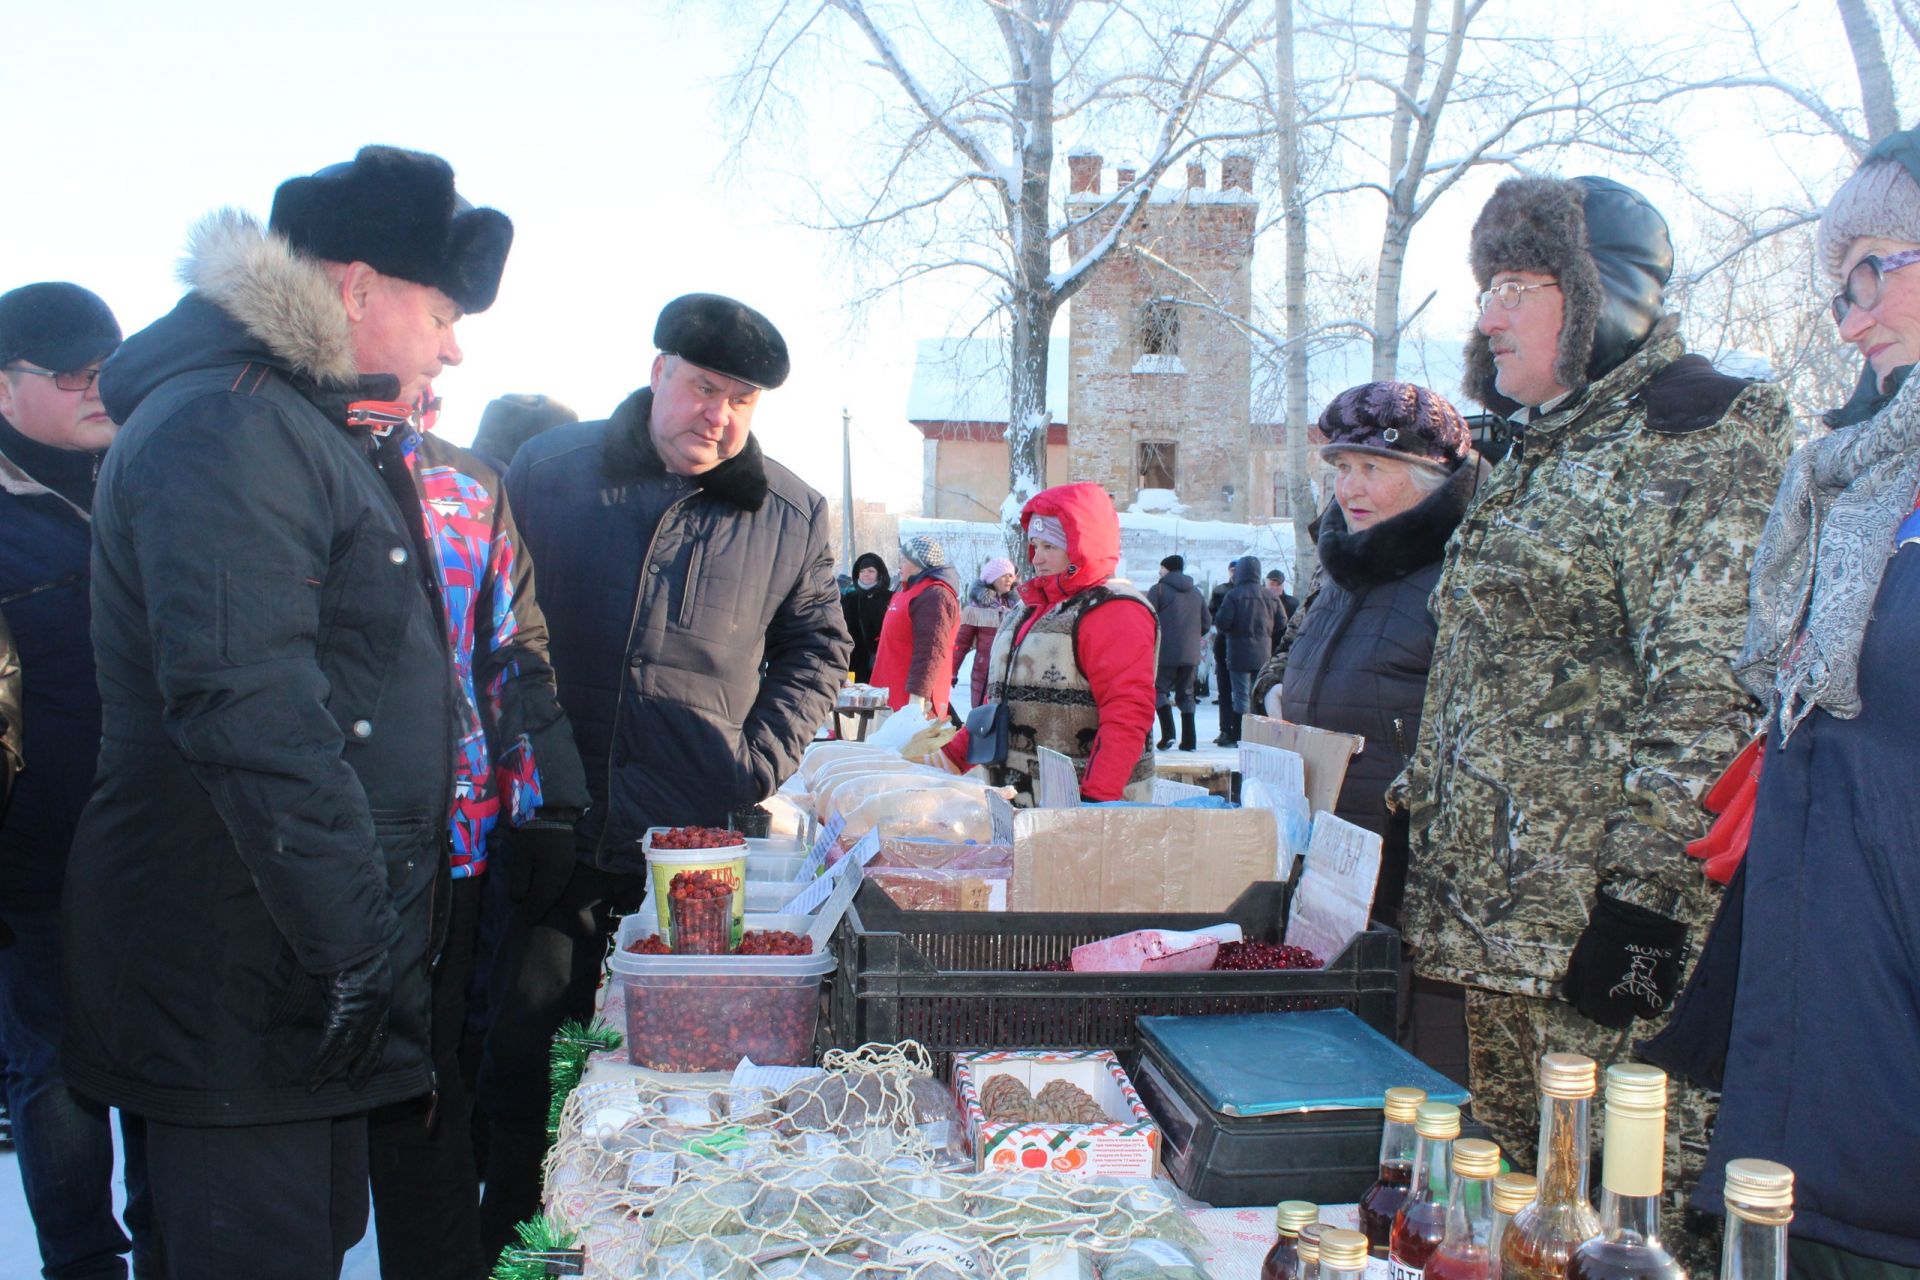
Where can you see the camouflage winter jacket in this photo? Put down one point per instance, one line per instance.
(1581, 699)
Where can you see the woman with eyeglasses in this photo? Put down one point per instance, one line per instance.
(1809, 991)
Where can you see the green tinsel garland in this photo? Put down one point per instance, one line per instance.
(542, 1252)
(572, 1045)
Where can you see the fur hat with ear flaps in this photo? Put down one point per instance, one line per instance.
(1606, 246)
(397, 212)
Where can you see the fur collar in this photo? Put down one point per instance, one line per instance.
(282, 298)
(1401, 544)
(629, 456)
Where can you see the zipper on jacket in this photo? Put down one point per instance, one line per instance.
(691, 587)
(1400, 737)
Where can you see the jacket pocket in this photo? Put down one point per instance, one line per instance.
(302, 996)
(266, 614)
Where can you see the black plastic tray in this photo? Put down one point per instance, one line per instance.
(950, 979)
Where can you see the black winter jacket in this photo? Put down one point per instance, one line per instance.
(695, 626)
(45, 539)
(1247, 617)
(1184, 619)
(11, 755)
(1359, 661)
(278, 718)
(866, 612)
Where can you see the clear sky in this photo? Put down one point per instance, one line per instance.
(594, 125)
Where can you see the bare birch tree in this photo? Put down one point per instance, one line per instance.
(968, 99)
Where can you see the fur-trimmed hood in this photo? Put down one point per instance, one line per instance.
(1399, 545)
(252, 299)
(630, 455)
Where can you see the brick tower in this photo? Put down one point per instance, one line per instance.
(1160, 390)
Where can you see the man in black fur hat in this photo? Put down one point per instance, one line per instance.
(698, 638)
(261, 876)
(1580, 700)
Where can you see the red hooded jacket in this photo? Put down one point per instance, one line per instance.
(1117, 641)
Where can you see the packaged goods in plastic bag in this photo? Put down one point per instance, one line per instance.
(847, 792)
(939, 813)
(940, 889)
(822, 754)
(900, 727)
(1152, 1260)
(943, 855)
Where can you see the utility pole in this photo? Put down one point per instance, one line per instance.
(846, 487)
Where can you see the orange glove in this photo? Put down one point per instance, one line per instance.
(1732, 797)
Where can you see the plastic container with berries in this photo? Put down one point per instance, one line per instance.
(705, 1013)
(711, 850)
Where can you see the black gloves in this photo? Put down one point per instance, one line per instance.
(540, 862)
(1626, 965)
(355, 1031)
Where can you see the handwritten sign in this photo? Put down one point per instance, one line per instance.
(1276, 778)
(1336, 890)
(822, 888)
(1057, 786)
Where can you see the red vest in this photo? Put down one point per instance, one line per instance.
(893, 658)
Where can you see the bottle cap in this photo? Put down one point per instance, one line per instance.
(1309, 1244)
(1567, 1075)
(1403, 1103)
(1760, 1183)
(1636, 1087)
(1345, 1250)
(1437, 1120)
(1293, 1215)
(1476, 1158)
(1513, 1192)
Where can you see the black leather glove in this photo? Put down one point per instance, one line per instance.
(1626, 964)
(540, 860)
(355, 1032)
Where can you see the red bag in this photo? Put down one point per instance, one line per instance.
(1732, 799)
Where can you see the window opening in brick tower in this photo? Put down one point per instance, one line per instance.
(1158, 464)
(1160, 329)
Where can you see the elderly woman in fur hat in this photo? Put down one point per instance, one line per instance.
(1817, 1019)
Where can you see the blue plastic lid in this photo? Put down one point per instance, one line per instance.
(1263, 1064)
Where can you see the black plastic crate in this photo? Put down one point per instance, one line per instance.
(949, 979)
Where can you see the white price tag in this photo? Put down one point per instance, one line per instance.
(651, 1169)
(1336, 890)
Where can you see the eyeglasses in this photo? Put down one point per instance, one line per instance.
(77, 380)
(1862, 288)
(1512, 291)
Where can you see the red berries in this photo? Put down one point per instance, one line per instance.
(698, 838)
(1264, 955)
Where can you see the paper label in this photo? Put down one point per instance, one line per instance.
(1275, 778)
(823, 842)
(1336, 890)
(1161, 1252)
(1398, 1270)
(1000, 814)
(651, 1169)
(749, 1075)
(821, 889)
(1056, 785)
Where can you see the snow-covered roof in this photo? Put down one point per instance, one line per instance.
(965, 380)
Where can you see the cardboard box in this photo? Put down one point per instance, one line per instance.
(1099, 859)
(1324, 753)
(1127, 1146)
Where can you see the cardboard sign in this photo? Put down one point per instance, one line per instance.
(1056, 785)
(1138, 859)
(1275, 778)
(1336, 890)
(1323, 753)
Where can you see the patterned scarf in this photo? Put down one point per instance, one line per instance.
(1821, 558)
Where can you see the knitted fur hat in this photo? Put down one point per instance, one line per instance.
(1395, 420)
(1882, 199)
(1605, 245)
(924, 551)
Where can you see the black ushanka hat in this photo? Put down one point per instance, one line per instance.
(725, 336)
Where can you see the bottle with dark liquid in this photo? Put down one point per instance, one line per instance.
(1422, 1218)
(1283, 1260)
(1633, 1148)
(1465, 1251)
(1759, 1199)
(1385, 1196)
(1343, 1254)
(1542, 1236)
(1512, 1192)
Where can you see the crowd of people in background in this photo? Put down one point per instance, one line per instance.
(321, 806)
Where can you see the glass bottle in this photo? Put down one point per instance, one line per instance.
(1308, 1246)
(1283, 1260)
(1343, 1254)
(1759, 1200)
(1512, 1192)
(1466, 1245)
(1542, 1236)
(1422, 1218)
(1633, 1149)
(1389, 1192)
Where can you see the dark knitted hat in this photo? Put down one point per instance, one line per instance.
(1174, 564)
(1605, 245)
(58, 326)
(1395, 420)
(510, 421)
(397, 212)
(725, 336)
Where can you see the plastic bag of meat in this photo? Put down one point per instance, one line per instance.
(929, 814)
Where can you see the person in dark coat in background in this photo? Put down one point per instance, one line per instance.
(266, 844)
(509, 421)
(1286, 606)
(915, 659)
(1184, 620)
(989, 602)
(53, 435)
(698, 639)
(1404, 472)
(1246, 621)
(1802, 1008)
(865, 608)
(11, 755)
(1222, 686)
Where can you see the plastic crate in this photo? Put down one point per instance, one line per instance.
(950, 980)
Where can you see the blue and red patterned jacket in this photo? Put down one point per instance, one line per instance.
(515, 753)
